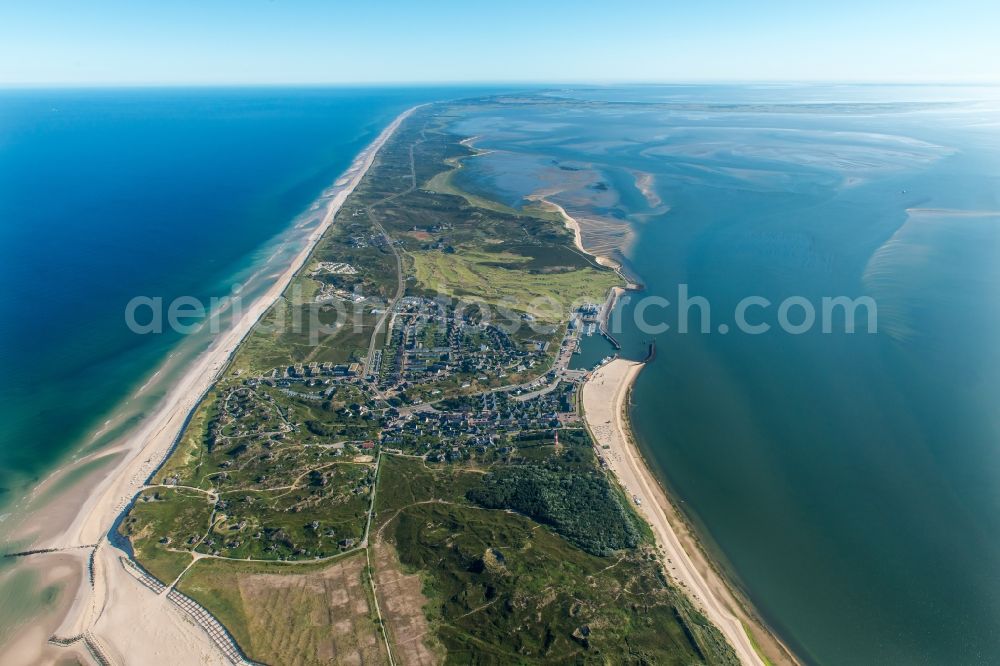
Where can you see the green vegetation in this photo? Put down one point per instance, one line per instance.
(564, 490)
(499, 543)
(500, 590)
(164, 526)
(278, 472)
(580, 507)
(405, 481)
(301, 614)
(502, 278)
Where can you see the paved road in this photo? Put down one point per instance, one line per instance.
(400, 279)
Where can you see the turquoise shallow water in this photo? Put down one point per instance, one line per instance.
(849, 482)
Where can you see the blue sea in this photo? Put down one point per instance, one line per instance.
(847, 482)
(109, 194)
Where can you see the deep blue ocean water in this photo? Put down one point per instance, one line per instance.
(849, 482)
(114, 193)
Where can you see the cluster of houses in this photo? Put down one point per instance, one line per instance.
(329, 292)
(453, 427)
(303, 370)
(429, 342)
(334, 268)
(367, 239)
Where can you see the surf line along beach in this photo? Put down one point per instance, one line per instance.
(605, 401)
(142, 451)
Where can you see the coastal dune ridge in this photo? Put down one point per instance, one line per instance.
(141, 453)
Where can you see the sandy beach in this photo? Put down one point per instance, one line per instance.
(122, 615)
(574, 226)
(605, 402)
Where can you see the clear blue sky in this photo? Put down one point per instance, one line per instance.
(373, 41)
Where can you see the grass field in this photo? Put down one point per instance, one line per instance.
(402, 602)
(298, 615)
(498, 279)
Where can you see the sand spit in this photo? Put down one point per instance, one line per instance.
(645, 183)
(600, 253)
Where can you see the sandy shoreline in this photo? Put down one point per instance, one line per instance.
(141, 453)
(605, 402)
(574, 225)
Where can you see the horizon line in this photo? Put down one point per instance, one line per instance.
(474, 83)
